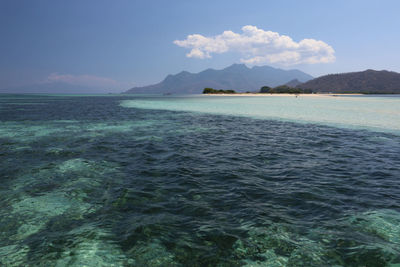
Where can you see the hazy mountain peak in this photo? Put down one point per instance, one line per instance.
(237, 66)
(184, 72)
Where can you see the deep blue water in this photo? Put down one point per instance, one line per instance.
(85, 181)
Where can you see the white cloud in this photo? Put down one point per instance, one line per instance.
(257, 46)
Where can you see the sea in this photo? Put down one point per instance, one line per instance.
(147, 180)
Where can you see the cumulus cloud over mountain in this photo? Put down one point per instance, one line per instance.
(257, 46)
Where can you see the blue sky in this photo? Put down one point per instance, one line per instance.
(124, 43)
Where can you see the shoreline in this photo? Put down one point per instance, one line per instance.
(293, 95)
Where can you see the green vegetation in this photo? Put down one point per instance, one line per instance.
(284, 89)
(265, 89)
(214, 91)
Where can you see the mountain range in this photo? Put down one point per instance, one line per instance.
(368, 81)
(237, 77)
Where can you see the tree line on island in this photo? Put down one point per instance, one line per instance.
(214, 91)
(282, 89)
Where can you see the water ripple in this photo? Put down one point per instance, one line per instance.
(85, 181)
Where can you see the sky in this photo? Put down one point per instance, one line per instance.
(120, 44)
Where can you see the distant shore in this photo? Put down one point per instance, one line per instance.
(292, 95)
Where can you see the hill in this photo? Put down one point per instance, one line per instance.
(237, 77)
(369, 81)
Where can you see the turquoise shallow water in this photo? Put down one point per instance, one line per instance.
(368, 112)
(199, 181)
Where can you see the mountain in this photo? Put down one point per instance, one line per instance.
(237, 77)
(369, 81)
